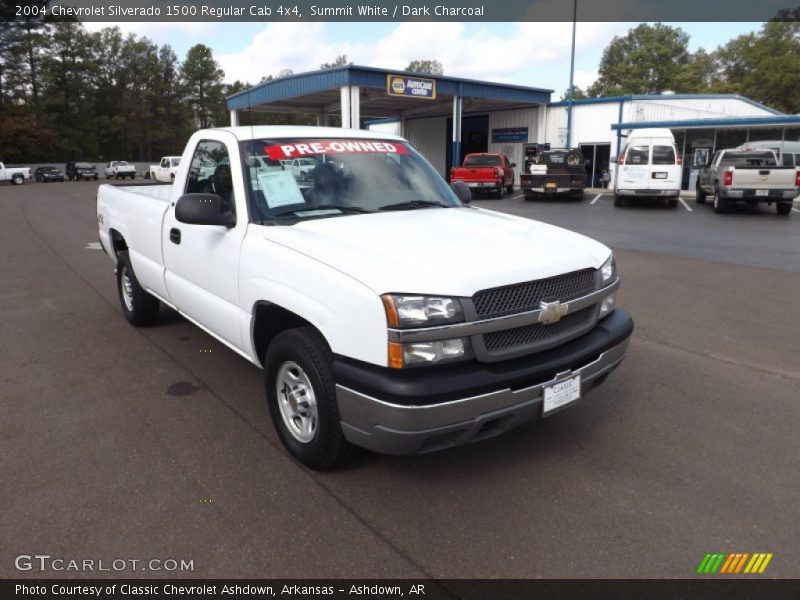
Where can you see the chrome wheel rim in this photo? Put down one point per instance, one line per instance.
(126, 287)
(297, 402)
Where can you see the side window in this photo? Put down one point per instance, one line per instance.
(638, 155)
(210, 172)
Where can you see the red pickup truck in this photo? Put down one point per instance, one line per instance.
(483, 171)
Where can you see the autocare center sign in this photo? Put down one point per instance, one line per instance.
(415, 87)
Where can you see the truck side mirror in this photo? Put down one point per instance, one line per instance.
(203, 209)
(462, 191)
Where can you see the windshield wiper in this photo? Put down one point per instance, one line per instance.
(311, 209)
(412, 204)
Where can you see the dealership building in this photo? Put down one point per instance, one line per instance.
(446, 118)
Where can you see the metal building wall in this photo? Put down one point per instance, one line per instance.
(521, 117)
(429, 137)
(691, 108)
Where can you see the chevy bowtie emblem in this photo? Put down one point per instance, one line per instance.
(551, 312)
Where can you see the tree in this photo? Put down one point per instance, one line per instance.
(577, 94)
(202, 79)
(339, 61)
(647, 60)
(431, 67)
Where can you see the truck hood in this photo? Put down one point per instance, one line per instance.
(454, 251)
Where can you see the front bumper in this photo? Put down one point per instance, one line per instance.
(393, 413)
(649, 193)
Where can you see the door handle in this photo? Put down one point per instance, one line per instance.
(175, 235)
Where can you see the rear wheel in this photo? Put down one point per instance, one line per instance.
(720, 205)
(139, 307)
(618, 201)
(510, 188)
(783, 208)
(498, 193)
(301, 396)
(672, 202)
(699, 195)
(17, 179)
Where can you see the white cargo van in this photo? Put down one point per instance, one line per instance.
(649, 166)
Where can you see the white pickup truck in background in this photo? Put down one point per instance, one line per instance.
(385, 311)
(120, 169)
(750, 176)
(15, 175)
(166, 169)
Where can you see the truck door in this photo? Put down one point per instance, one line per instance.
(202, 261)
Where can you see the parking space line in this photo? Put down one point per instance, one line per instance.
(686, 206)
(795, 210)
(518, 196)
(596, 198)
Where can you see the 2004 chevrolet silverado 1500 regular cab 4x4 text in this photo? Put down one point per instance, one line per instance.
(385, 311)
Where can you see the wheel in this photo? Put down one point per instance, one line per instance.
(95, 177)
(17, 179)
(577, 195)
(672, 202)
(498, 193)
(528, 196)
(783, 208)
(301, 396)
(618, 201)
(139, 307)
(699, 195)
(720, 205)
(510, 188)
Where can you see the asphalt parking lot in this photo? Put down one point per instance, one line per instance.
(155, 443)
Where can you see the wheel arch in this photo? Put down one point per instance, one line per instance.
(270, 319)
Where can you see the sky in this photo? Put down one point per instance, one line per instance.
(531, 54)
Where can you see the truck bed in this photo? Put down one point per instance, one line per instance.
(136, 212)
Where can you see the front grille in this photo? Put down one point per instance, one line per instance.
(522, 297)
(539, 333)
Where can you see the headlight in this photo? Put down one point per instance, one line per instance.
(421, 311)
(425, 353)
(609, 270)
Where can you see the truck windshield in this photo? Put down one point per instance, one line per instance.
(340, 177)
(482, 160)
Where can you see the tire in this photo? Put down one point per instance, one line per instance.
(139, 307)
(510, 189)
(96, 178)
(528, 196)
(618, 201)
(577, 195)
(700, 195)
(498, 193)
(17, 179)
(672, 202)
(309, 430)
(720, 205)
(783, 208)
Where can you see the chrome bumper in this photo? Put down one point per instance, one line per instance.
(397, 429)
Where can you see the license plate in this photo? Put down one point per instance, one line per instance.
(550, 185)
(659, 175)
(561, 393)
(762, 192)
(477, 184)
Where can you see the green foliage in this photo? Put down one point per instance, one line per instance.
(202, 79)
(431, 67)
(647, 60)
(339, 61)
(577, 94)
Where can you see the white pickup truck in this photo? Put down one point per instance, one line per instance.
(166, 169)
(385, 311)
(120, 169)
(750, 176)
(15, 175)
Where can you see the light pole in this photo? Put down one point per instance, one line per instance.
(571, 92)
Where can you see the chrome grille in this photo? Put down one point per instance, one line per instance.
(522, 297)
(540, 333)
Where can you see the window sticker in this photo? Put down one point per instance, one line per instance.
(299, 149)
(280, 189)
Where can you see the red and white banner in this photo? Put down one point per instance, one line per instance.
(300, 149)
